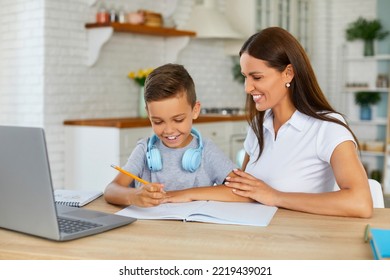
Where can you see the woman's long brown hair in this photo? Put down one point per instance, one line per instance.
(278, 48)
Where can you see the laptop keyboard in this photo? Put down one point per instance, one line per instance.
(72, 226)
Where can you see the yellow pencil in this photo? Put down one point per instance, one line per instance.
(129, 174)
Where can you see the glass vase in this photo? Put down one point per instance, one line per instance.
(365, 112)
(141, 103)
(368, 47)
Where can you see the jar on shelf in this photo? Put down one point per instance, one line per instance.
(382, 81)
(113, 14)
(122, 15)
(135, 17)
(102, 14)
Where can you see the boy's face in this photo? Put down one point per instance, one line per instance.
(171, 120)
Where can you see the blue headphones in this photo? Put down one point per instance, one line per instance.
(191, 159)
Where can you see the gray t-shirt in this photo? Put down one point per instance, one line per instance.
(214, 167)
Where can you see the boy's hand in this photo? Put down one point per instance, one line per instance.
(177, 196)
(149, 195)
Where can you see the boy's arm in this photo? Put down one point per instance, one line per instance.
(217, 193)
(117, 192)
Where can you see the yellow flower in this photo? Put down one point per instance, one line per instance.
(131, 75)
(140, 76)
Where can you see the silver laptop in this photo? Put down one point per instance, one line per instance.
(26, 192)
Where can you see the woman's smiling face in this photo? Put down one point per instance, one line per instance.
(266, 85)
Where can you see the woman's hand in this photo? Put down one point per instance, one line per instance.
(246, 185)
(148, 195)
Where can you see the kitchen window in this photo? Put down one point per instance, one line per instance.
(292, 15)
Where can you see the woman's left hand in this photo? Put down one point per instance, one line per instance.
(249, 186)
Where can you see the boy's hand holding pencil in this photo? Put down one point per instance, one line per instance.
(150, 194)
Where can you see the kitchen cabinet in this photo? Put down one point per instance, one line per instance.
(362, 74)
(91, 146)
(89, 152)
(228, 136)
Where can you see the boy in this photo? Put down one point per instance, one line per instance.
(175, 157)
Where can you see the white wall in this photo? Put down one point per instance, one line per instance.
(44, 79)
(21, 62)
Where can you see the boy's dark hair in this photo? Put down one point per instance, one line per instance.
(167, 81)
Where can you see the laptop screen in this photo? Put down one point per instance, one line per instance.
(26, 193)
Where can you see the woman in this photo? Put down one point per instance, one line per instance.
(297, 146)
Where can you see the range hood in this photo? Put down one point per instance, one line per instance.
(208, 22)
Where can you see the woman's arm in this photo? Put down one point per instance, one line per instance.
(352, 200)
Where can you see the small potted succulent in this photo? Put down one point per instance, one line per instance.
(366, 30)
(365, 99)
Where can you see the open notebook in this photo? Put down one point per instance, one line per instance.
(26, 192)
(236, 213)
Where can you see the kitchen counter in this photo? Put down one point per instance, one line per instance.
(144, 122)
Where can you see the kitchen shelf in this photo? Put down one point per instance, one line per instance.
(355, 89)
(99, 33)
(142, 29)
(378, 57)
(379, 127)
(373, 154)
(368, 123)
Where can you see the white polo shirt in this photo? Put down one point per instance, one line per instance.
(298, 160)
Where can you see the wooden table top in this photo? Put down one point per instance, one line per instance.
(290, 235)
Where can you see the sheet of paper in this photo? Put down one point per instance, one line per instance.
(239, 213)
(174, 211)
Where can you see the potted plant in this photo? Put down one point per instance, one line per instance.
(366, 30)
(236, 70)
(365, 99)
(139, 78)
